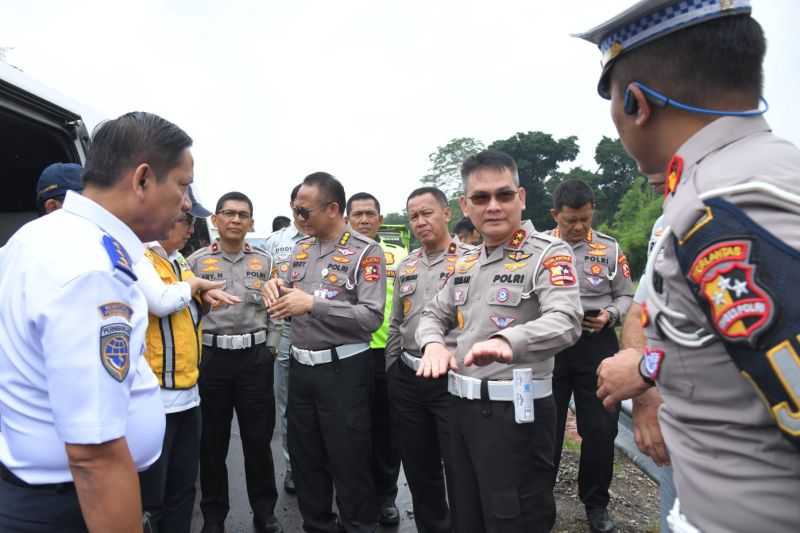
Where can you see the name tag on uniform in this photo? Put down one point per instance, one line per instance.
(523, 396)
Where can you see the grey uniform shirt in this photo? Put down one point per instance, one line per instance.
(419, 278)
(603, 275)
(734, 471)
(347, 277)
(280, 244)
(244, 274)
(525, 291)
(640, 296)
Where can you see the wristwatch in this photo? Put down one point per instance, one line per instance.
(650, 365)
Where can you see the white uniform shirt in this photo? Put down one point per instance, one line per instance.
(72, 333)
(162, 300)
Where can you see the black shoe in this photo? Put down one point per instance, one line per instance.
(213, 527)
(600, 521)
(270, 525)
(288, 483)
(389, 515)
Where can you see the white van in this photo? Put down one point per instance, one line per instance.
(38, 127)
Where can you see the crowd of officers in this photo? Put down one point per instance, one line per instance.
(456, 359)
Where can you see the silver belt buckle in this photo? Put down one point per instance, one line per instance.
(237, 342)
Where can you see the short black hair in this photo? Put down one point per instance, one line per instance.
(572, 193)
(331, 188)
(280, 222)
(236, 196)
(700, 64)
(362, 196)
(433, 191)
(293, 195)
(126, 142)
(493, 159)
(464, 225)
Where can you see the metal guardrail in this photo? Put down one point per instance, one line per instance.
(626, 443)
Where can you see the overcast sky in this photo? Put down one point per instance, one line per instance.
(273, 90)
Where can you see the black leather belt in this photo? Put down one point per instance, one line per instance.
(9, 477)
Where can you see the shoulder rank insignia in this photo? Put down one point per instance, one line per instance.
(674, 171)
(345, 238)
(518, 238)
(120, 260)
(115, 350)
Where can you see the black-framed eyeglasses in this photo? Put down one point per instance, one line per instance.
(305, 212)
(503, 196)
(230, 214)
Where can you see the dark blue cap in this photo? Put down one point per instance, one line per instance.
(197, 210)
(57, 179)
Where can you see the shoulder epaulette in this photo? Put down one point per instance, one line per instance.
(603, 235)
(542, 236)
(120, 260)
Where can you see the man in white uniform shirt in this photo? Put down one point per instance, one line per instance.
(80, 410)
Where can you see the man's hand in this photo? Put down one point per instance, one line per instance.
(217, 297)
(294, 302)
(485, 352)
(436, 361)
(199, 285)
(271, 291)
(596, 323)
(646, 430)
(618, 378)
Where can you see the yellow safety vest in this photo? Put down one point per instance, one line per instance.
(173, 342)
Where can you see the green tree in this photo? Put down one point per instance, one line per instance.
(445, 169)
(613, 179)
(538, 156)
(638, 209)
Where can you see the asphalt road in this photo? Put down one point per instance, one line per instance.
(240, 518)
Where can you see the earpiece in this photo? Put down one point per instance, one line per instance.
(629, 103)
(631, 106)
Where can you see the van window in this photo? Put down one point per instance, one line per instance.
(26, 148)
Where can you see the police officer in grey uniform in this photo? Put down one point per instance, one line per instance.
(237, 369)
(280, 245)
(80, 410)
(606, 289)
(334, 293)
(418, 406)
(515, 304)
(721, 317)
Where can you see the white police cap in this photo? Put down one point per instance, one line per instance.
(649, 20)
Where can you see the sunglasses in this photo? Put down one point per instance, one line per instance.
(305, 213)
(503, 197)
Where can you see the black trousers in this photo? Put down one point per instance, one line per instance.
(168, 486)
(330, 443)
(241, 380)
(40, 510)
(575, 374)
(419, 409)
(385, 455)
(502, 471)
